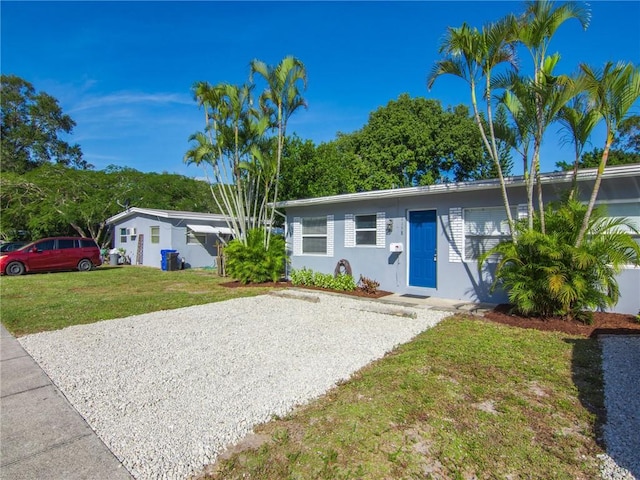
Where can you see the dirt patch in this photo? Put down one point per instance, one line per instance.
(603, 323)
(356, 293)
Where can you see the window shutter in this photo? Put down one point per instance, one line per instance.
(330, 235)
(456, 224)
(297, 236)
(349, 230)
(381, 232)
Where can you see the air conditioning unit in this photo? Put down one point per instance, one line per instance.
(132, 232)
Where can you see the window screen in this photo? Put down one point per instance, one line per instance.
(366, 229)
(314, 235)
(484, 228)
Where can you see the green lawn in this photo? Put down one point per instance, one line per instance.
(466, 399)
(39, 302)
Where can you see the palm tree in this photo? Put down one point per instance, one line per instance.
(519, 136)
(612, 91)
(537, 26)
(281, 99)
(472, 55)
(578, 121)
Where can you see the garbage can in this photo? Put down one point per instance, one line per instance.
(172, 261)
(164, 263)
(113, 258)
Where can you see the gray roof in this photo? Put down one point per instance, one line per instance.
(546, 178)
(205, 217)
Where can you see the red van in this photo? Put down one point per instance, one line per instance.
(49, 254)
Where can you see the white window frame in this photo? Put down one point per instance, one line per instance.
(501, 233)
(298, 235)
(123, 236)
(350, 230)
(315, 235)
(373, 229)
(194, 238)
(155, 239)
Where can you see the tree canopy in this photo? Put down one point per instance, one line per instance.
(408, 142)
(32, 124)
(57, 200)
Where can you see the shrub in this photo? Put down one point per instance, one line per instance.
(252, 262)
(344, 282)
(308, 277)
(304, 276)
(368, 285)
(546, 275)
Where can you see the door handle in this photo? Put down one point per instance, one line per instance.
(435, 257)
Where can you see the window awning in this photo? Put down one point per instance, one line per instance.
(210, 229)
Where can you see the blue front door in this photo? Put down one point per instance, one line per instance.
(422, 248)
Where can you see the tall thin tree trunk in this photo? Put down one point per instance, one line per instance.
(496, 161)
(594, 192)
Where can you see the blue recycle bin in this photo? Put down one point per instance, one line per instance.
(164, 263)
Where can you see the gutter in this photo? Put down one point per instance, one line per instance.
(548, 178)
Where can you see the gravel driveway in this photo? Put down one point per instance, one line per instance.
(621, 369)
(167, 391)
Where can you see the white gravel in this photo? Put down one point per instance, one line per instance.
(621, 369)
(167, 391)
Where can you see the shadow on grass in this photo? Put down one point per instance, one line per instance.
(587, 376)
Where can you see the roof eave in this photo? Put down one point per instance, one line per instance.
(555, 177)
(165, 214)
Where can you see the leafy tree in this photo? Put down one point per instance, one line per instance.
(331, 168)
(628, 137)
(31, 125)
(415, 142)
(410, 141)
(57, 200)
(616, 157)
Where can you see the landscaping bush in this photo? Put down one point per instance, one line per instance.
(304, 276)
(547, 275)
(252, 262)
(308, 277)
(368, 285)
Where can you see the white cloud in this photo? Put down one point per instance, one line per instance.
(123, 99)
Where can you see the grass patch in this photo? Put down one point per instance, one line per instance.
(466, 399)
(40, 302)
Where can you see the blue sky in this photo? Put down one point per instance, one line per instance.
(124, 70)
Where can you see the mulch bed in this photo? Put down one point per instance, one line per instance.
(603, 323)
(354, 293)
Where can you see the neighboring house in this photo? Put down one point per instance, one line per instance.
(426, 240)
(145, 232)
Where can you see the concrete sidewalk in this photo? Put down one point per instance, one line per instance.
(41, 435)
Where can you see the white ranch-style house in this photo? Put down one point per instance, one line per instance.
(144, 232)
(426, 240)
